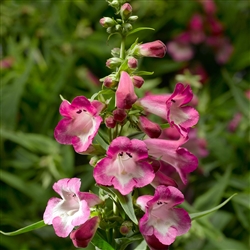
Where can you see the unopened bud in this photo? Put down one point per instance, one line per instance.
(114, 4)
(126, 227)
(151, 49)
(109, 82)
(113, 62)
(127, 27)
(153, 130)
(107, 22)
(137, 81)
(115, 52)
(133, 18)
(126, 10)
(110, 122)
(119, 115)
(132, 62)
(118, 27)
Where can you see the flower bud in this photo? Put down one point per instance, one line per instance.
(126, 11)
(132, 62)
(113, 62)
(82, 236)
(137, 81)
(114, 4)
(115, 52)
(151, 49)
(110, 122)
(127, 27)
(109, 82)
(119, 115)
(107, 22)
(133, 18)
(126, 227)
(153, 130)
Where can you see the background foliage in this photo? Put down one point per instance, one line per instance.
(59, 48)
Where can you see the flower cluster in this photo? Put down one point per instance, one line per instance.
(127, 161)
(202, 29)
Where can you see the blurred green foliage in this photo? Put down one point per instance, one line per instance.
(59, 48)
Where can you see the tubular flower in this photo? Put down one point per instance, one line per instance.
(70, 211)
(169, 151)
(162, 222)
(84, 234)
(125, 95)
(173, 108)
(125, 165)
(80, 123)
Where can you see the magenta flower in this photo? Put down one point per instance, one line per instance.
(80, 123)
(82, 236)
(70, 211)
(173, 108)
(152, 49)
(170, 152)
(125, 95)
(125, 165)
(162, 222)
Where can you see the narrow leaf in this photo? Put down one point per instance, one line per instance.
(142, 246)
(99, 242)
(194, 216)
(31, 227)
(127, 204)
(144, 73)
(139, 29)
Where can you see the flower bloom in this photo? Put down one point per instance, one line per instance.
(80, 123)
(84, 234)
(70, 211)
(125, 95)
(162, 222)
(173, 108)
(152, 49)
(125, 165)
(170, 152)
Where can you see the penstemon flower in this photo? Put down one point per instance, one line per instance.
(125, 166)
(80, 124)
(70, 211)
(162, 222)
(133, 153)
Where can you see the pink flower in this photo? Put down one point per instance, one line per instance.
(173, 108)
(137, 81)
(84, 234)
(125, 165)
(162, 222)
(125, 95)
(70, 211)
(153, 130)
(170, 152)
(80, 123)
(152, 49)
(196, 32)
(180, 51)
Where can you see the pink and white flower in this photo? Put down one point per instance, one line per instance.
(152, 49)
(170, 152)
(125, 95)
(73, 209)
(125, 165)
(162, 222)
(173, 108)
(80, 123)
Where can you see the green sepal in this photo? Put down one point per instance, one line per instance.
(125, 241)
(194, 216)
(26, 229)
(139, 29)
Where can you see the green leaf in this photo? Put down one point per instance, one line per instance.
(194, 216)
(125, 241)
(99, 242)
(144, 73)
(142, 246)
(127, 204)
(139, 29)
(31, 227)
